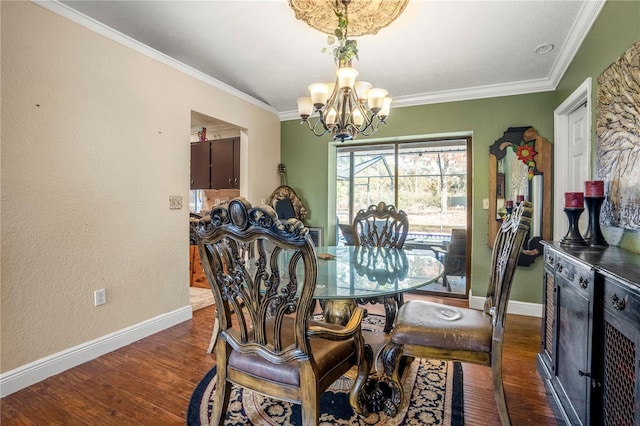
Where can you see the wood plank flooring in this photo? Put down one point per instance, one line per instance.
(149, 382)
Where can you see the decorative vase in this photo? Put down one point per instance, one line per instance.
(594, 236)
(573, 237)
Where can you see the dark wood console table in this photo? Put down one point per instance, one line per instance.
(590, 352)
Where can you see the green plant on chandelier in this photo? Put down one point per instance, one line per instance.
(340, 47)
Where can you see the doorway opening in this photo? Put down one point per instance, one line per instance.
(212, 142)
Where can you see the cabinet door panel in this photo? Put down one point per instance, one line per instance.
(200, 165)
(222, 164)
(620, 372)
(548, 320)
(572, 368)
(236, 163)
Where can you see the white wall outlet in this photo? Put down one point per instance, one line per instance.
(175, 202)
(100, 297)
(485, 203)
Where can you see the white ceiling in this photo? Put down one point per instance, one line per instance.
(436, 51)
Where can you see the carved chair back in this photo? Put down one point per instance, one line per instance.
(381, 225)
(504, 260)
(260, 270)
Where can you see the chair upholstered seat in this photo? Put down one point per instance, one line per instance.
(331, 357)
(435, 325)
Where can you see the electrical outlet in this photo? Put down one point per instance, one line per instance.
(99, 297)
(485, 203)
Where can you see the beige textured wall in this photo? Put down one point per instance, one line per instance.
(95, 138)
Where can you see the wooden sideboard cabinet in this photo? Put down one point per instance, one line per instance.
(590, 347)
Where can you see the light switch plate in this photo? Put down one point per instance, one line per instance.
(175, 202)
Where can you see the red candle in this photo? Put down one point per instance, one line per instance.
(574, 200)
(594, 188)
(519, 198)
(508, 204)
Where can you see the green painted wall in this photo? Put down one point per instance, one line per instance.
(306, 156)
(616, 29)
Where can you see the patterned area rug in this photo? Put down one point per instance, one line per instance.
(435, 388)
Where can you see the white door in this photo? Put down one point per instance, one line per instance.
(578, 159)
(571, 153)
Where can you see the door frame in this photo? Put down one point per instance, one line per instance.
(561, 151)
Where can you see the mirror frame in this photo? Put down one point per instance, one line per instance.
(497, 151)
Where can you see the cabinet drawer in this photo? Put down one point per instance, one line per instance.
(549, 257)
(621, 301)
(579, 274)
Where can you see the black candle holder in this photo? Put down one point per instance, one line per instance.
(594, 236)
(573, 237)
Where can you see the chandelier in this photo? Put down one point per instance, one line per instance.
(345, 108)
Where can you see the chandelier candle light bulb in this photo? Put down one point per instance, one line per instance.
(319, 94)
(346, 78)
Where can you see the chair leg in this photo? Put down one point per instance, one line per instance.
(214, 335)
(221, 400)
(391, 355)
(310, 403)
(498, 386)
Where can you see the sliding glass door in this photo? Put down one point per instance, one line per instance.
(427, 179)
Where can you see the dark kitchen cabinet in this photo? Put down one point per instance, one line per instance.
(215, 164)
(590, 356)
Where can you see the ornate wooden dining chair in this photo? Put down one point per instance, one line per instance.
(431, 330)
(262, 272)
(382, 225)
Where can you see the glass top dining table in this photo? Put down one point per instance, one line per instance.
(356, 272)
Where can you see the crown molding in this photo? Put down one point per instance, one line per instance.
(106, 31)
(581, 27)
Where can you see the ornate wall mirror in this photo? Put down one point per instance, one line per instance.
(520, 169)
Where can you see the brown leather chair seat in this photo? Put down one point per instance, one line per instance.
(330, 356)
(440, 326)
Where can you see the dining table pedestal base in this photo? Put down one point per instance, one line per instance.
(338, 311)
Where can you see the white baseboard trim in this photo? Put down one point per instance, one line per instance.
(34, 372)
(515, 307)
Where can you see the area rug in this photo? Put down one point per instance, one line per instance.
(436, 399)
(200, 298)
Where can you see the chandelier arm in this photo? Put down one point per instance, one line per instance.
(344, 111)
(313, 127)
(373, 127)
(334, 95)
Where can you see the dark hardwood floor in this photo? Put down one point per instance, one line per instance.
(149, 382)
